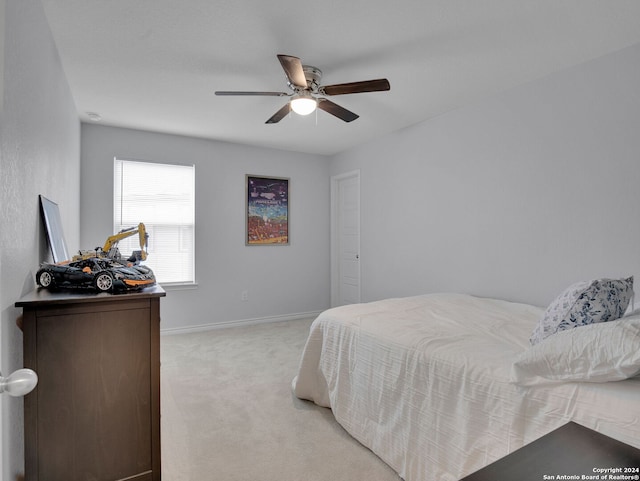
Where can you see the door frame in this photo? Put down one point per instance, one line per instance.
(335, 234)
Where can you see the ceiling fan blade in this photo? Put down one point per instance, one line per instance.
(334, 109)
(293, 68)
(377, 85)
(270, 94)
(280, 114)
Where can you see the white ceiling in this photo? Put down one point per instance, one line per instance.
(155, 64)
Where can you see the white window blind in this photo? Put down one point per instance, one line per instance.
(162, 196)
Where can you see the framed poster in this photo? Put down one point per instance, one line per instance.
(267, 210)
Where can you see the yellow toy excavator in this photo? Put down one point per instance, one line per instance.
(110, 247)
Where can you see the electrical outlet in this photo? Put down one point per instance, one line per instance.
(244, 296)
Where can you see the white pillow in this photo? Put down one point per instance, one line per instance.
(606, 351)
(585, 303)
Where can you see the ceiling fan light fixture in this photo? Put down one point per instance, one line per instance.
(303, 104)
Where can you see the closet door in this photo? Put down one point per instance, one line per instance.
(345, 239)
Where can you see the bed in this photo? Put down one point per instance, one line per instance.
(441, 385)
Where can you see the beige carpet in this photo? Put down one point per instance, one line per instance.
(228, 412)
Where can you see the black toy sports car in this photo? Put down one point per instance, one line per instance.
(100, 273)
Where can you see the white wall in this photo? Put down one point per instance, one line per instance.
(39, 154)
(281, 280)
(2, 10)
(515, 197)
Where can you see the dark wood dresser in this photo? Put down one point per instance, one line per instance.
(95, 413)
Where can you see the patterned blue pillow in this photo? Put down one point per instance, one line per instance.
(585, 303)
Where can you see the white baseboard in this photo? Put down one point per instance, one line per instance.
(239, 323)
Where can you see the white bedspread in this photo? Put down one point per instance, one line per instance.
(424, 383)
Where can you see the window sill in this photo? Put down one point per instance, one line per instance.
(179, 286)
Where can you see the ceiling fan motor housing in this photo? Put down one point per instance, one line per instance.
(313, 76)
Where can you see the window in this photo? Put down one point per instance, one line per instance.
(162, 197)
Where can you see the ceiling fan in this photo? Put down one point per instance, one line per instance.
(304, 81)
